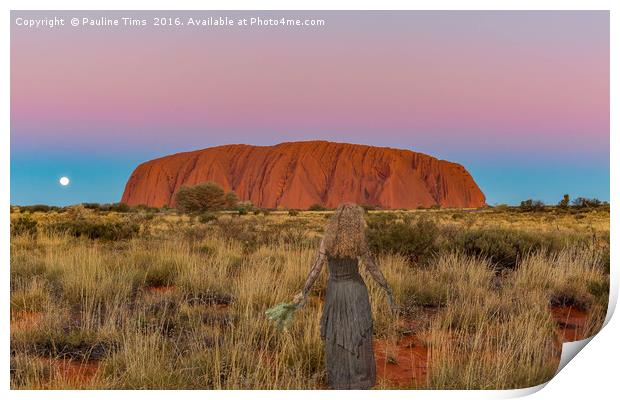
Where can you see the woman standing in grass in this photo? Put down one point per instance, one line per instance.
(346, 323)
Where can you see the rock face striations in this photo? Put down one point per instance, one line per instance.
(300, 174)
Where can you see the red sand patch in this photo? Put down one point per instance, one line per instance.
(161, 289)
(402, 362)
(73, 372)
(571, 323)
(219, 307)
(25, 320)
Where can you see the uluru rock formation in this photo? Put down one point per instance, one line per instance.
(300, 174)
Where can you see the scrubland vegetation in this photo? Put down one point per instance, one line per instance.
(113, 297)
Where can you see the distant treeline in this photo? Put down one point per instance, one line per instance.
(105, 207)
(209, 197)
(578, 203)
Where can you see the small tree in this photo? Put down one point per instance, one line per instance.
(531, 205)
(564, 202)
(584, 202)
(200, 198)
(526, 205)
(231, 200)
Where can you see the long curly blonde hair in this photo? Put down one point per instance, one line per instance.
(345, 235)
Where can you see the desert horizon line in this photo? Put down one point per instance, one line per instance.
(488, 205)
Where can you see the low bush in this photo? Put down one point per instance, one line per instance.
(370, 207)
(316, 207)
(415, 240)
(530, 205)
(23, 225)
(93, 229)
(244, 207)
(571, 294)
(143, 208)
(503, 247)
(39, 208)
(583, 202)
(207, 217)
(248, 234)
(76, 344)
(116, 207)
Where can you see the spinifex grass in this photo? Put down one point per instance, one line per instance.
(182, 304)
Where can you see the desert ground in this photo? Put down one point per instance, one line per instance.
(116, 298)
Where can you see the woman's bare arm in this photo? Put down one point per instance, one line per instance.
(317, 266)
(377, 275)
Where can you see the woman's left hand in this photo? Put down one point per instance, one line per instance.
(299, 300)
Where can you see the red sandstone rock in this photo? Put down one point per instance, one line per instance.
(299, 174)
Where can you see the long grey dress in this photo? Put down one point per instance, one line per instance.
(346, 327)
(346, 323)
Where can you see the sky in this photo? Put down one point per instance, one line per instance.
(520, 98)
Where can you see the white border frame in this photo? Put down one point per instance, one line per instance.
(592, 373)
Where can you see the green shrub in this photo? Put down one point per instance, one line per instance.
(503, 247)
(24, 225)
(316, 207)
(244, 207)
(94, 229)
(414, 240)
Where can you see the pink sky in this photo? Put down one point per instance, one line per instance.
(455, 85)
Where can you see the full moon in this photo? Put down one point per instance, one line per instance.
(64, 181)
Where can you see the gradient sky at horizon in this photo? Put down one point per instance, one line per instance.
(520, 98)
